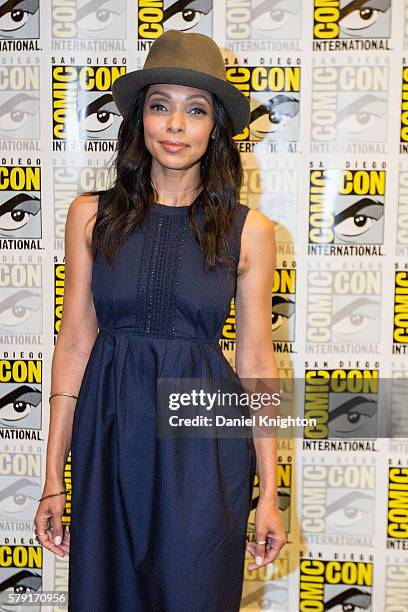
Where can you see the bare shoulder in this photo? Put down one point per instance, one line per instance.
(257, 241)
(81, 217)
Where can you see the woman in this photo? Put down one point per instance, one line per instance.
(159, 523)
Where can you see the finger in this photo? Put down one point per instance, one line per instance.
(42, 522)
(57, 530)
(273, 551)
(251, 549)
(258, 551)
(46, 541)
(260, 548)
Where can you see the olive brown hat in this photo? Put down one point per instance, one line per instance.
(184, 58)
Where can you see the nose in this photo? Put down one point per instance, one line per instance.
(176, 122)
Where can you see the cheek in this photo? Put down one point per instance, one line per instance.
(200, 133)
(150, 125)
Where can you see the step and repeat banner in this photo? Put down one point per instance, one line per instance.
(325, 157)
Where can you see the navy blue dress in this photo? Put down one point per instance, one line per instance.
(157, 524)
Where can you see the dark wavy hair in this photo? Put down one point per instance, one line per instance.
(129, 199)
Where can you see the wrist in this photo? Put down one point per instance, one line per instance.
(270, 495)
(54, 483)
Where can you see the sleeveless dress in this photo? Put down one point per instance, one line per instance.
(157, 524)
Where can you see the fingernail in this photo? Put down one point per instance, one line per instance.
(57, 540)
(258, 559)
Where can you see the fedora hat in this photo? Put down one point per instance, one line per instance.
(184, 58)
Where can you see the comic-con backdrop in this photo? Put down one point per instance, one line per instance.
(325, 157)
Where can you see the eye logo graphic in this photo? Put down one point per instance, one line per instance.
(21, 299)
(19, 495)
(20, 103)
(21, 572)
(155, 17)
(20, 202)
(346, 207)
(335, 585)
(343, 307)
(351, 19)
(338, 500)
(20, 401)
(263, 20)
(343, 402)
(83, 106)
(397, 523)
(274, 96)
(283, 308)
(19, 19)
(349, 105)
(97, 20)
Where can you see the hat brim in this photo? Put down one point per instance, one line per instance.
(236, 103)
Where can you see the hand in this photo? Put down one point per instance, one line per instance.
(268, 524)
(48, 520)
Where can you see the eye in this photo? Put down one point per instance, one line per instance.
(183, 20)
(355, 317)
(356, 221)
(283, 309)
(355, 225)
(352, 415)
(14, 20)
(18, 497)
(96, 122)
(353, 509)
(361, 19)
(97, 20)
(274, 114)
(271, 19)
(155, 106)
(16, 218)
(352, 324)
(201, 111)
(19, 403)
(16, 309)
(362, 115)
(15, 119)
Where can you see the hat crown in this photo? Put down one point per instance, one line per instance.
(175, 49)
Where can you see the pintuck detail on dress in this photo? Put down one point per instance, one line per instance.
(158, 524)
(160, 269)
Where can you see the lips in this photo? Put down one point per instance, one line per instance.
(173, 142)
(173, 146)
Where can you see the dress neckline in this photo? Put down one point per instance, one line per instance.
(169, 209)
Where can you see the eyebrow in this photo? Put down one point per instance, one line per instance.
(166, 95)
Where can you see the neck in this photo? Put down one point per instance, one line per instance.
(176, 187)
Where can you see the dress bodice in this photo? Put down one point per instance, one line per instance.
(159, 287)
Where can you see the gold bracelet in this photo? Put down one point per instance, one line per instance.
(52, 494)
(68, 394)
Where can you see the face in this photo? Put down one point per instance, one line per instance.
(178, 122)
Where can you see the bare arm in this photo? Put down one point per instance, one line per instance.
(76, 336)
(255, 358)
